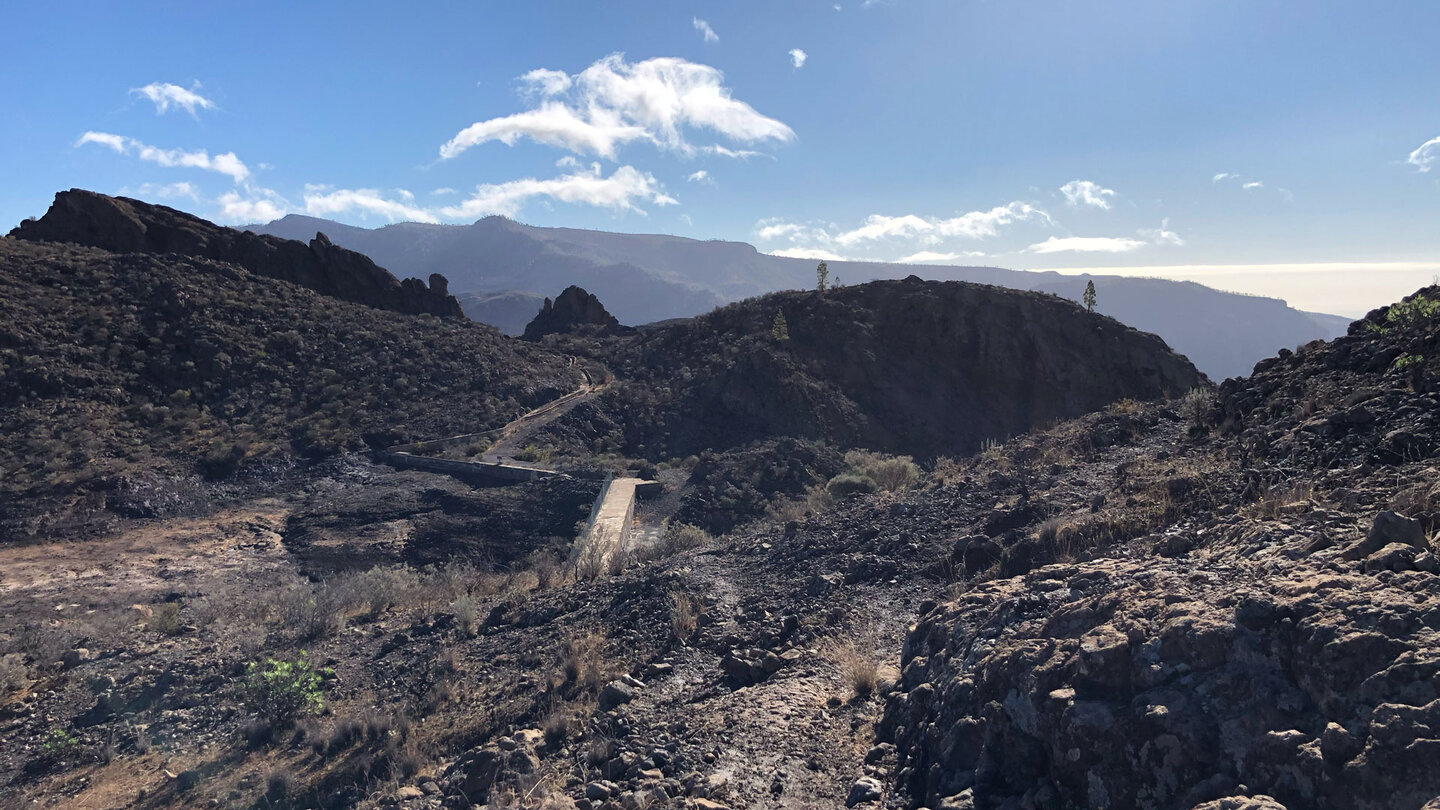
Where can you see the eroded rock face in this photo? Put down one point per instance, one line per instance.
(573, 309)
(123, 225)
(1141, 685)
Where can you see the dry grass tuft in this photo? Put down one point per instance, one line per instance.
(684, 615)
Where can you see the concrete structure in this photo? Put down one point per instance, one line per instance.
(608, 533)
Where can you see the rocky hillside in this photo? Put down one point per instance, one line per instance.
(1272, 634)
(917, 367)
(125, 377)
(123, 225)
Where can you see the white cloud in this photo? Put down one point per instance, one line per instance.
(619, 191)
(444, 190)
(165, 95)
(567, 162)
(169, 191)
(931, 257)
(808, 253)
(1085, 244)
(798, 57)
(916, 238)
(1427, 154)
(612, 103)
(225, 163)
(1252, 185)
(972, 225)
(701, 176)
(547, 82)
(705, 30)
(553, 124)
(1162, 235)
(1078, 192)
(742, 154)
(116, 142)
(237, 208)
(1222, 176)
(322, 202)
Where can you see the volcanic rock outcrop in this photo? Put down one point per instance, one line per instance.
(123, 225)
(920, 367)
(573, 309)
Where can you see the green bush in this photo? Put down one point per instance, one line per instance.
(847, 484)
(283, 691)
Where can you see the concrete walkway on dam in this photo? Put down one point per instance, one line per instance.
(608, 534)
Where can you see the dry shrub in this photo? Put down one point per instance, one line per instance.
(947, 471)
(309, 612)
(857, 663)
(14, 675)
(1196, 406)
(679, 537)
(786, 511)
(467, 612)
(164, 618)
(1417, 499)
(684, 615)
(589, 561)
(1061, 536)
(548, 568)
(890, 473)
(1276, 498)
(582, 659)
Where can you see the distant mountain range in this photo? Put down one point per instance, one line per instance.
(500, 270)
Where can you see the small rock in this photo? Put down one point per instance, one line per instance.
(409, 792)
(616, 693)
(1393, 557)
(866, 789)
(76, 657)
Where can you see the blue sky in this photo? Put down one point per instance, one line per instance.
(1291, 149)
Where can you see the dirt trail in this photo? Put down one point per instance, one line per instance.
(513, 436)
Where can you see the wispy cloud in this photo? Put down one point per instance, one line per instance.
(932, 257)
(1163, 235)
(1426, 155)
(1222, 176)
(165, 96)
(1252, 185)
(706, 31)
(1085, 244)
(882, 237)
(613, 103)
(808, 253)
(255, 205)
(798, 57)
(225, 163)
(1084, 192)
(167, 191)
(701, 176)
(620, 191)
(323, 201)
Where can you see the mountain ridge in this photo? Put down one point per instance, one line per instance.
(644, 278)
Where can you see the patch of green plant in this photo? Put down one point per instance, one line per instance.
(1406, 361)
(283, 691)
(1405, 314)
(61, 744)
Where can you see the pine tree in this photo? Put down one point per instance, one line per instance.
(822, 276)
(779, 329)
(1090, 295)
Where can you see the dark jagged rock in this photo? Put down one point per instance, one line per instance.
(573, 310)
(123, 225)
